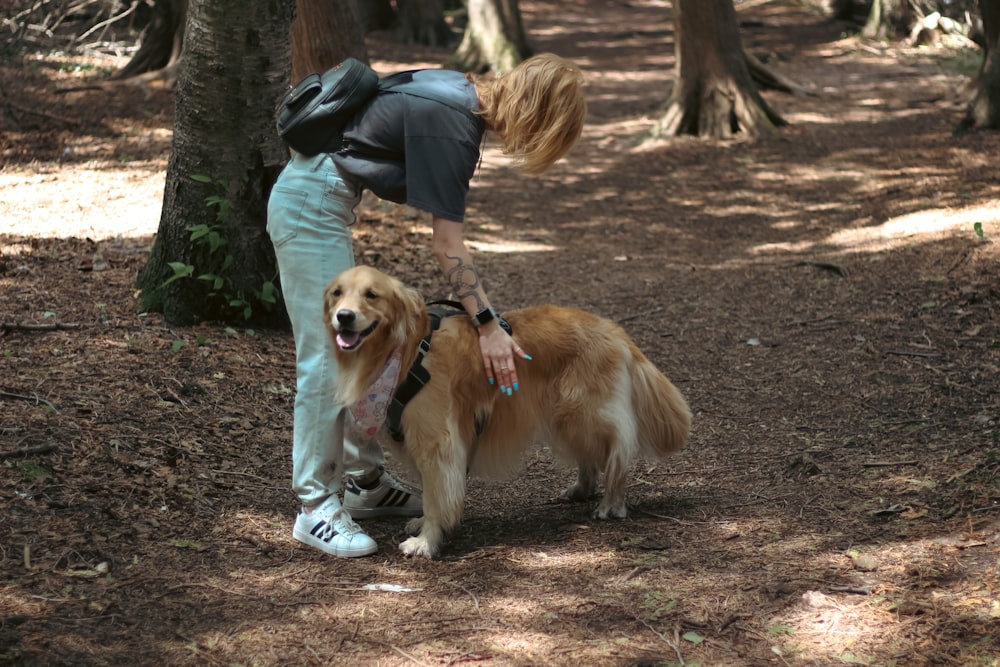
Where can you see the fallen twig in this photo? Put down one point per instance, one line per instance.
(827, 266)
(28, 451)
(672, 644)
(43, 114)
(886, 464)
(55, 326)
(21, 397)
(856, 590)
(636, 316)
(475, 600)
(913, 353)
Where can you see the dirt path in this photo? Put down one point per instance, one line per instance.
(821, 298)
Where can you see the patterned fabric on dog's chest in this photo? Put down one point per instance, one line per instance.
(370, 412)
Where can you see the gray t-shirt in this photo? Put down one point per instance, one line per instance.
(417, 150)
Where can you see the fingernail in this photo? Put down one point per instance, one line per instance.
(510, 392)
(503, 389)
(515, 386)
(528, 357)
(491, 380)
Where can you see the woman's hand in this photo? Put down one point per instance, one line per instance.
(498, 348)
(499, 351)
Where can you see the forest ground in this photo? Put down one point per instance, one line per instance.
(822, 298)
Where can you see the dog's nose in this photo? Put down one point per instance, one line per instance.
(345, 316)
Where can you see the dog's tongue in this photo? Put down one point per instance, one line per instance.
(348, 339)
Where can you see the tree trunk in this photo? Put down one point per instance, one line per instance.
(323, 34)
(889, 18)
(224, 158)
(984, 110)
(835, 9)
(422, 22)
(376, 14)
(713, 94)
(494, 38)
(161, 45)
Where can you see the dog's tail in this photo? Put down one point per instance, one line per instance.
(663, 419)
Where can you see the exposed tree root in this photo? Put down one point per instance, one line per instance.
(765, 77)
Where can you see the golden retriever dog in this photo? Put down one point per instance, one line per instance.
(588, 392)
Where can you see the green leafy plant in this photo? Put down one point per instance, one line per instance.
(34, 471)
(658, 604)
(215, 262)
(966, 62)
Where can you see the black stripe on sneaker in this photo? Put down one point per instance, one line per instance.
(395, 498)
(318, 528)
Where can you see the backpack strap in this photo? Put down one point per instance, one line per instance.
(403, 82)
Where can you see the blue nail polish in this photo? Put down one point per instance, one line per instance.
(515, 386)
(491, 380)
(510, 392)
(503, 389)
(528, 357)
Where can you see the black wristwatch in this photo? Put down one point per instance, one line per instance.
(484, 316)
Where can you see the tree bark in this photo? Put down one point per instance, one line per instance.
(494, 38)
(376, 14)
(713, 94)
(984, 110)
(225, 146)
(324, 33)
(889, 18)
(163, 40)
(834, 9)
(422, 22)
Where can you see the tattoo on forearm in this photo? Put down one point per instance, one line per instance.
(464, 281)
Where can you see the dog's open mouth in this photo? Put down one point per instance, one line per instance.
(350, 339)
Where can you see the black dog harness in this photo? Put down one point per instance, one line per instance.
(418, 376)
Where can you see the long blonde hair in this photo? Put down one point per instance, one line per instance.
(536, 109)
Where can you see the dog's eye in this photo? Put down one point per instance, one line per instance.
(371, 295)
(337, 292)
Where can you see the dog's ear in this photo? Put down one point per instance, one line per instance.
(416, 311)
(329, 301)
(413, 303)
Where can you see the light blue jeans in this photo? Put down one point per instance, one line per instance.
(308, 215)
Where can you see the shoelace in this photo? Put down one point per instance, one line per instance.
(347, 526)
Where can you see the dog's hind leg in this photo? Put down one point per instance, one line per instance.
(572, 436)
(586, 484)
(443, 476)
(623, 445)
(612, 505)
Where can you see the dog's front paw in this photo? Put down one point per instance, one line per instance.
(413, 526)
(604, 512)
(417, 546)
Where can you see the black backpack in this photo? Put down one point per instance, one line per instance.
(313, 115)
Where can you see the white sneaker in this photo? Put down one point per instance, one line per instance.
(329, 528)
(390, 497)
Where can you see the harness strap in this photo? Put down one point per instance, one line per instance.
(418, 376)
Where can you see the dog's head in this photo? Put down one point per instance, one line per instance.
(365, 308)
